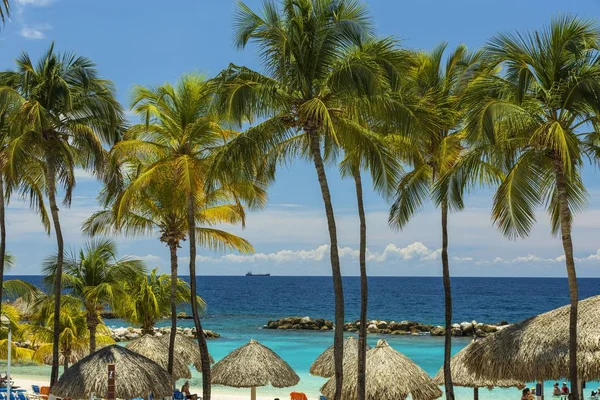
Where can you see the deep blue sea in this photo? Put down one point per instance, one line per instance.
(239, 306)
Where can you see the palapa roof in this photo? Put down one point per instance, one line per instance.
(187, 349)
(462, 377)
(324, 365)
(135, 375)
(153, 348)
(390, 375)
(538, 348)
(253, 365)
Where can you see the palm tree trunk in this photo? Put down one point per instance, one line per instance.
(338, 341)
(204, 356)
(565, 230)
(364, 288)
(51, 181)
(173, 251)
(65, 362)
(92, 328)
(447, 304)
(2, 238)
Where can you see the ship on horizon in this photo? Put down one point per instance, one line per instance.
(251, 274)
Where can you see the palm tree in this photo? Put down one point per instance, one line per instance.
(170, 153)
(157, 209)
(317, 55)
(535, 113)
(150, 299)
(74, 335)
(97, 278)
(434, 149)
(4, 10)
(65, 115)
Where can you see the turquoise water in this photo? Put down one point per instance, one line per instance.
(238, 307)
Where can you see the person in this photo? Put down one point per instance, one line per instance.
(185, 389)
(594, 395)
(565, 389)
(556, 390)
(526, 393)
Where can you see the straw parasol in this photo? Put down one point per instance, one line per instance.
(135, 375)
(390, 375)
(324, 365)
(251, 366)
(153, 348)
(462, 377)
(537, 349)
(187, 349)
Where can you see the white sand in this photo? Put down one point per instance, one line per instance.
(25, 382)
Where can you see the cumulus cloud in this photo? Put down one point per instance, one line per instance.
(34, 32)
(414, 251)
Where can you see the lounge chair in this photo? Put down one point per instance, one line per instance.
(44, 392)
(322, 397)
(298, 396)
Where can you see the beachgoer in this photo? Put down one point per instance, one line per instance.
(185, 389)
(526, 394)
(565, 389)
(556, 390)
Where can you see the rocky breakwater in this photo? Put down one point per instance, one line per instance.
(300, 323)
(469, 329)
(127, 334)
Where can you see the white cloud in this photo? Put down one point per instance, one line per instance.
(39, 3)
(34, 32)
(81, 174)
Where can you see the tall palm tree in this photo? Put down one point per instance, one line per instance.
(543, 113)
(434, 150)
(150, 299)
(175, 146)
(65, 115)
(316, 54)
(97, 278)
(157, 209)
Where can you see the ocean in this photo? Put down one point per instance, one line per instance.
(238, 307)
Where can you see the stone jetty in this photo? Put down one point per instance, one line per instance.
(468, 329)
(129, 333)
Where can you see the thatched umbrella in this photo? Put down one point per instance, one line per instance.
(153, 348)
(537, 349)
(251, 366)
(135, 376)
(390, 375)
(324, 365)
(461, 376)
(187, 349)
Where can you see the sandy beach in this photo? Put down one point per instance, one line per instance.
(25, 382)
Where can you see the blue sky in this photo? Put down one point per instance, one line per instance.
(150, 42)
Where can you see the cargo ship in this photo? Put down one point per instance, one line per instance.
(251, 274)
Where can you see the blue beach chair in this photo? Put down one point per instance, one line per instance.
(178, 395)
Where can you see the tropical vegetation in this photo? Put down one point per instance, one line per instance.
(521, 115)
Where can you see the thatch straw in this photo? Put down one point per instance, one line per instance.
(324, 364)
(253, 365)
(538, 348)
(135, 376)
(462, 377)
(154, 349)
(187, 349)
(390, 375)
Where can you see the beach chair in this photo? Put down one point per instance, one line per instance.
(178, 395)
(44, 392)
(322, 397)
(298, 396)
(22, 396)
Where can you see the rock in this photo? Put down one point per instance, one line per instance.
(131, 336)
(437, 331)
(456, 331)
(305, 320)
(296, 326)
(489, 328)
(285, 326)
(272, 325)
(325, 328)
(372, 328)
(382, 325)
(399, 332)
(503, 323)
(157, 334)
(467, 328)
